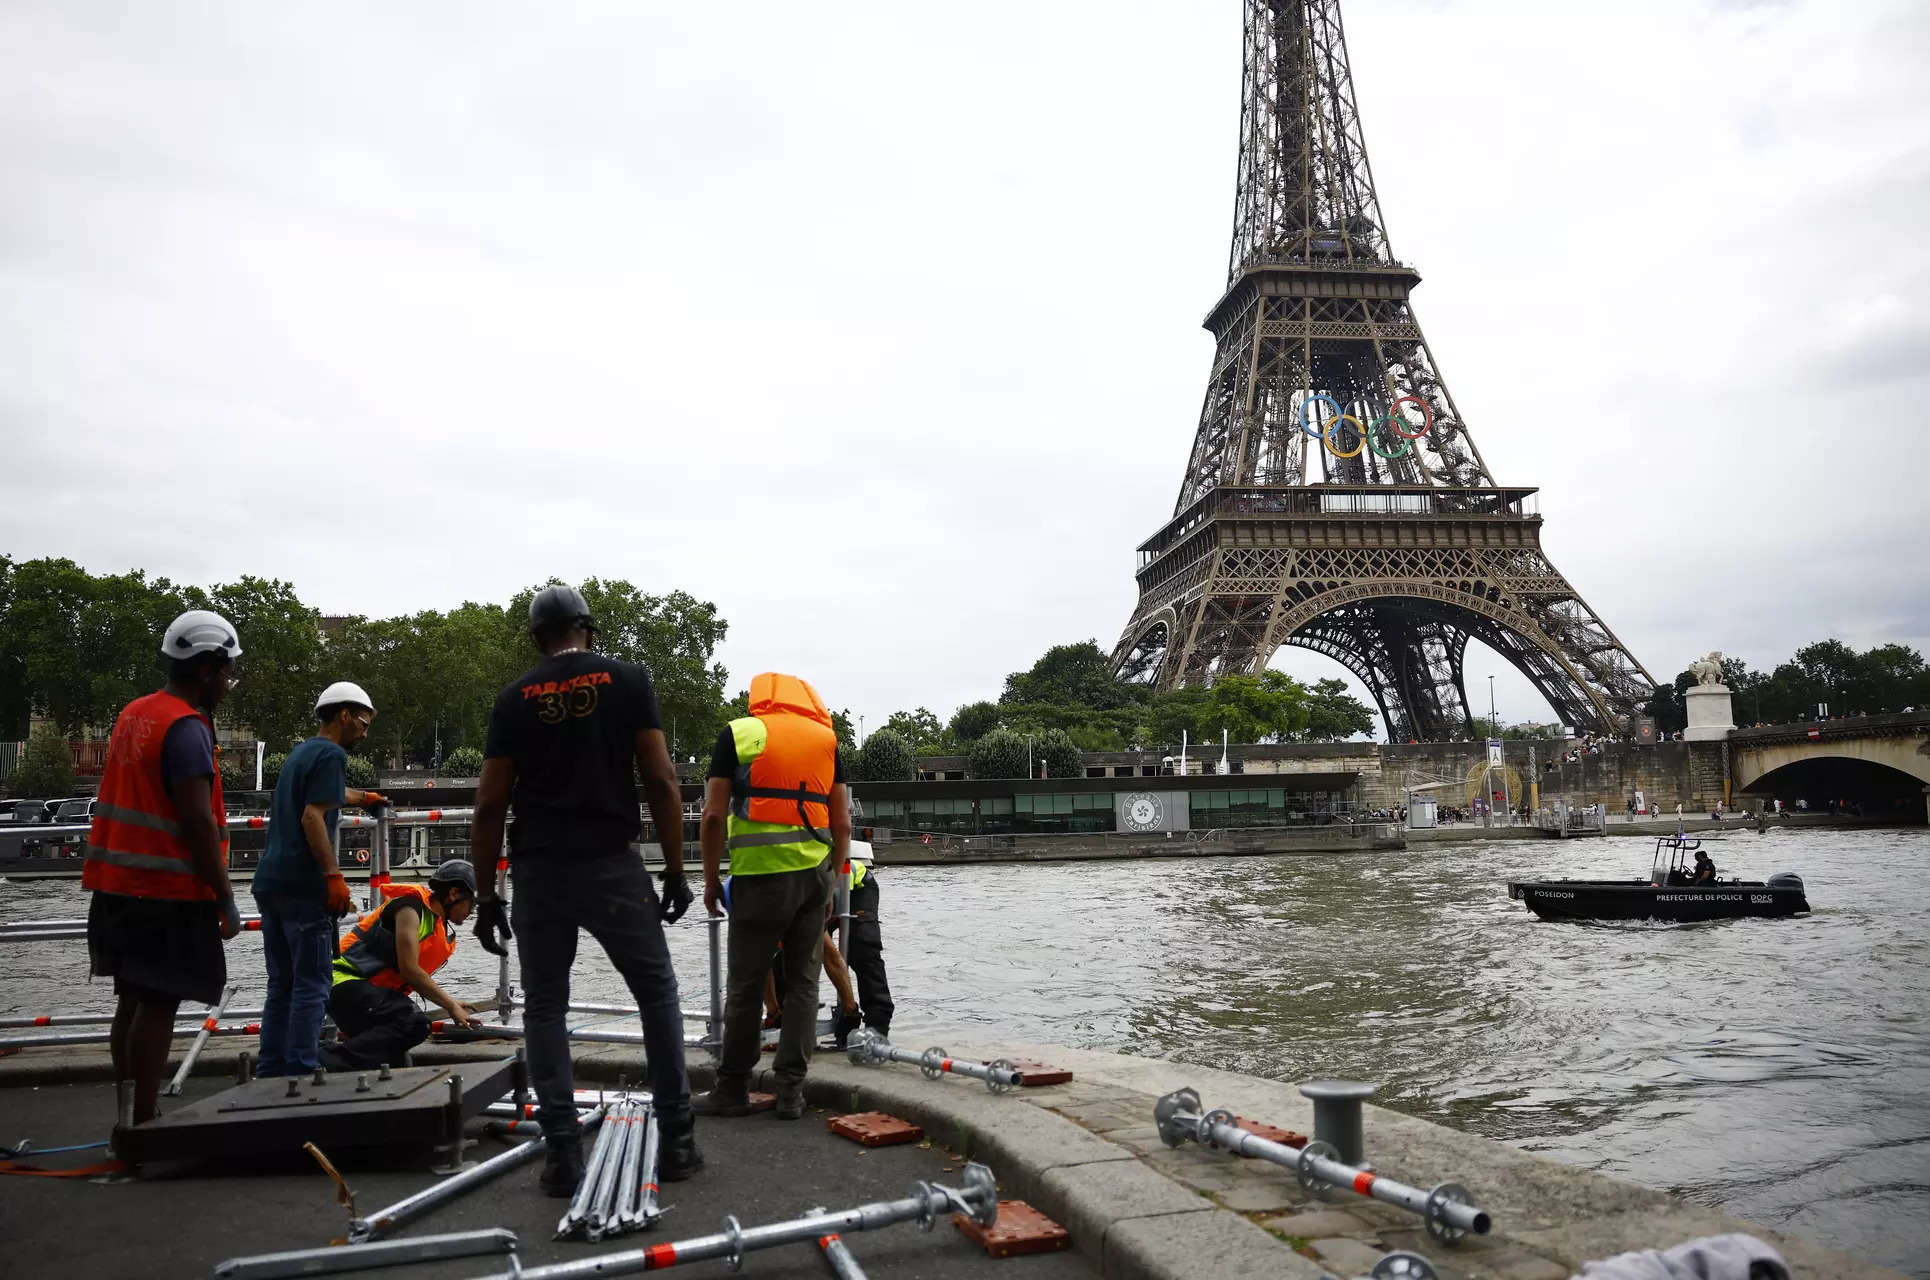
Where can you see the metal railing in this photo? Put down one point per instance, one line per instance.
(384, 821)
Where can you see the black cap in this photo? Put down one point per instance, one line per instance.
(559, 606)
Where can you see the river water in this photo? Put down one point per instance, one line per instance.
(1776, 1069)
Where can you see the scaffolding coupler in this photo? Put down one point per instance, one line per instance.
(1445, 1209)
(868, 1049)
(927, 1203)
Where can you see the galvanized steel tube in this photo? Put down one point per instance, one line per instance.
(926, 1205)
(208, 1025)
(579, 1211)
(383, 1221)
(837, 1256)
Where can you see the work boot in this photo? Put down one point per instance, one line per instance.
(790, 1099)
(843, 1023)
(562, 1166)
(726, 1098)
(678, 1158)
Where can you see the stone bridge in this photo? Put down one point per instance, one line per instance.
(1861, 755)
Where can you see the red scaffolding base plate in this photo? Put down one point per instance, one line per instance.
(1271, 1132)
(1020, 1229)
(874, 1129)
(1034, 1074)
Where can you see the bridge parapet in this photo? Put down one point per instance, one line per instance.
(1889, 725)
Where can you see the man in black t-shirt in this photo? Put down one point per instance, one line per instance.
(565, 742)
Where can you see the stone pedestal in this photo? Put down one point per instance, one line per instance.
(1711, 717)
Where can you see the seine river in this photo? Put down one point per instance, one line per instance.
(1779, 1070)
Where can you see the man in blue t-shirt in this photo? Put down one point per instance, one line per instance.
(300, 889)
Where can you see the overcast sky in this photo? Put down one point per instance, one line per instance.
(879, 323)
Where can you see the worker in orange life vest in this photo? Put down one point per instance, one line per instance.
(157, 858)
(389, 954)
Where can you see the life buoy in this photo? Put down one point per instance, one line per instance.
(362, 855)
(925, 839)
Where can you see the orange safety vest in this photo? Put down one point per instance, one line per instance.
(135, 846)
(787, 759)
(369, 949)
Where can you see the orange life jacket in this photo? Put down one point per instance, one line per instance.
(787, 760)
(134, 846)
(369, 948)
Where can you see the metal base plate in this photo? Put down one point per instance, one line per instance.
(875, 1129)
(1020, 1229)
(262, 1118)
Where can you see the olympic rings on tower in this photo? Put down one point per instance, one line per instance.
(1392, 418)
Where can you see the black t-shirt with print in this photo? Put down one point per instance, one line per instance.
(570, 726)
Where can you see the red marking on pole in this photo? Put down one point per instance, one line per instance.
(824, 1242)
(658, 1256)
(946, 1065)
(1363, 1181)
(257, 823)
(650, 1187)
(43, 1021)
(435, 1028)
(502, 864)
(209, 1025)
(252, 1029)
(253, 926)
(435, 815)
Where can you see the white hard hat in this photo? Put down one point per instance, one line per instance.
(200, 631)
(344, 691)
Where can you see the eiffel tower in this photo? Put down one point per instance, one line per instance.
(1334, 498)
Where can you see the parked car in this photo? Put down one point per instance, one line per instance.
(33, 810)
(77, 811)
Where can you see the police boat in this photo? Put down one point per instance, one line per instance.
(1667, 894)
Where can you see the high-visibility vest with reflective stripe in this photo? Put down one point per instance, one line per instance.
(134, 845)
(369, 948)
(858, 873)
(787, 760)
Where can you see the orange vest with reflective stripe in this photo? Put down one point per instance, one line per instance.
(135, 846)
(787, 759)
(369, 948)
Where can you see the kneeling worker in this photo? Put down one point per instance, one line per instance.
(390, 953)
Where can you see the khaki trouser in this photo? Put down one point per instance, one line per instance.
(784, 907)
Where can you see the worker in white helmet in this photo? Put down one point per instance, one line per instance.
(157, 857)
(298, 885)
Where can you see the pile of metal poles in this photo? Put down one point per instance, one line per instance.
(618, 1193)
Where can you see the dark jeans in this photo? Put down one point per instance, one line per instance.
(553, 896)
(381, 1023)
(784, 907)
(866, 958)
(298, 944)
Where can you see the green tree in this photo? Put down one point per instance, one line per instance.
(272, 763)
(16, 706)
(1334, 714)
(88, 645)
(921, 729)
(841, 725)
(886, 757)
(973, 721)
(463, 762)
(360, 773)
(1269, 707)
(1079, 674)
(238, 767)
(281, 643)
(46, 768)
(999, 754)
(1059, 754)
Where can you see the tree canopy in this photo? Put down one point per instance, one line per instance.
(1829, 673)
(76, 647)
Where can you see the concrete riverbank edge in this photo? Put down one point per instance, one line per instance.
(1087, 1154)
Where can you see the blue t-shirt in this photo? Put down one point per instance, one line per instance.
(316, 773)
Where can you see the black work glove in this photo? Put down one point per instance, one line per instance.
(674, 899)
(492, 925)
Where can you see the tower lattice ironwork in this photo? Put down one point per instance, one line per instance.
(1334, 498)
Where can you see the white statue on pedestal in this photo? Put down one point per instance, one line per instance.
(1711, 715)
(1708, 671)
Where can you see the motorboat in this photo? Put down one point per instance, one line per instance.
(1667, 894)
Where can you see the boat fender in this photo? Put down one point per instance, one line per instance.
(1786, 880)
